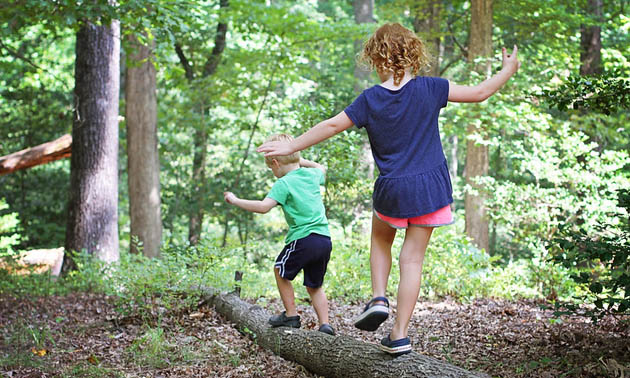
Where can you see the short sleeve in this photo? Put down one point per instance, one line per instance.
(279, 192)
(439, 87)
(322, 177)
(358, 111)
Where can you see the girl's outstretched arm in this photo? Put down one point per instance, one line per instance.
(480, 92)
(316, 134)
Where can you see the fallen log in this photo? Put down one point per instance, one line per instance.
(41, 154)
(35, 261)
(322, 354)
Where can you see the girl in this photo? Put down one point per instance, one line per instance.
(413, 190)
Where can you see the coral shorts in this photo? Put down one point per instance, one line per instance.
(440, 217)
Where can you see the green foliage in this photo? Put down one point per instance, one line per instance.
(599, 259)
(19, 341)
(88, 370)
(602, 94)
(9, 236)
(152, 349)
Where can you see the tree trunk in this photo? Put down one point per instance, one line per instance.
(426, 24)
(143, 162)
(93, 204)
(325, 355)
(198, 185)
(201, 136)
(479, 45)
(41, 154)
(591, 42)
(363, 13)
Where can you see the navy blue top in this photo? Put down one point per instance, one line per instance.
(402, 126)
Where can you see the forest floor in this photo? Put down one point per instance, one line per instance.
(81, 335)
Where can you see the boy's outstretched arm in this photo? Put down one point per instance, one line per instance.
(485, 89)
(250, 205)
(312, 164)
(314, 135)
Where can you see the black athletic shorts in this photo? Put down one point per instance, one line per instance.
(310, 253)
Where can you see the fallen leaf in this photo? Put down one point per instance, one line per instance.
(39, 352)
(92, 359)
(196, 315)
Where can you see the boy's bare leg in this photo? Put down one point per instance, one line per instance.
(380, 255)
(320, 303)
(286, 293)
(411, 259)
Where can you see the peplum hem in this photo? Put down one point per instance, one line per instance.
(413, 195)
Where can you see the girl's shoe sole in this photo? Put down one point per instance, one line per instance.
(372, 318)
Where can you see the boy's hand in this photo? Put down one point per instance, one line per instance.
(275, 148)
(511, 61)
(229, 197)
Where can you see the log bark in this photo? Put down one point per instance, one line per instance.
(44, 153)
(35, 261)
(322, 354)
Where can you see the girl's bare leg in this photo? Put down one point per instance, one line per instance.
(380, 255)
(411, 259)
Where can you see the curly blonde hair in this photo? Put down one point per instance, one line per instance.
(393, 48)
(282, 159)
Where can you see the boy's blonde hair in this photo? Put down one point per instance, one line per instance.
(282, 159)
(393, 48)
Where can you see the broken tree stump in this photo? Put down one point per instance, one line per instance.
(41, 154)
(322, 354)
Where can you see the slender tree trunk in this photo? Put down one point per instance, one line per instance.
(198, 185)
(479, 46)
(201, 136)
(143, 162)
(93, 205)
(426, 24)
(591, 42)
(363, 13)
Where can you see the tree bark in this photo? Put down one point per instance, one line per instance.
(591, 42)
(93, 205)
(143, 162)
(322, 354)
(479, 46)
(363, 13)
(201, 136)
(44, 153)
(426, 24)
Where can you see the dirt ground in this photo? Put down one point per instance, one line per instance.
(81, 335)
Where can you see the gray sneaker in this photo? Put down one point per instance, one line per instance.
(282, 320)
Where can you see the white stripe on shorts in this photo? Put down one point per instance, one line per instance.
(285, 258)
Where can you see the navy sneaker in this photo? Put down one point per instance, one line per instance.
(395, 347)
(326, 328)
(282, 320)
(373, 316)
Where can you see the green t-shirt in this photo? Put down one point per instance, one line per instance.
(298, 194)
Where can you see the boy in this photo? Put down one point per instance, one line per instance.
(307, 244)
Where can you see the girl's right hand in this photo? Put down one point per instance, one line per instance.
(276, 148)
(511, 61)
